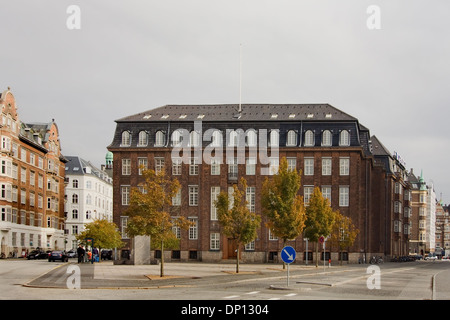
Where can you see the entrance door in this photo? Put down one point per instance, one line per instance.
(232, 249)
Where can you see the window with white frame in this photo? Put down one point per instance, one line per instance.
(126, 139)
(344, 138)
(326, 192)
(159, 165)
(214, 241)
(126, 167)
(176, 138)
(309, 166)
(251, 198)
(215, 167)
(250, 166)
(292, 164)
(309, 139)
(216, 139)
(143, 139)
(194, 139)
(176, 200)
(215, 191)
(326, 138)
(326, 166)
(193, 229)
(274, 164)
(250, 246)
(251, 138)
(160, 138)
(193, 195)
(123, 227)
(274, 138)
(344, 166)
(344, 196)
(307, 192)
(125, 194)
(142, 165)
(193, 166)
(291, 140)
(176, 166)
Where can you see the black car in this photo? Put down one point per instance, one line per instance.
(58, 255)
(37, 254)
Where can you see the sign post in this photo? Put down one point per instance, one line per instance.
(288, 256)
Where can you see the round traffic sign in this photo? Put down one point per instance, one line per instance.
(288, 254)
(321, 239)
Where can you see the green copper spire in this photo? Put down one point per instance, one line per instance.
(422, 181)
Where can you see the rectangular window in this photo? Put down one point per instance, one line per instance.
(142, 165)
(193, 195)
(307, 192)
(309, 166)
(250, 166)
(250, 197)
(344, 166)
(292, 164)
(215, 167)
(159, 165)
(123, 227)
(343, 196)
(126, 167)
(215, 191)
(176, 166)
(214, 241)
(193, 167)
(326, 193)
(193, 229)
(274, 165)
(326, 166)
(176, 200)
(125, 191)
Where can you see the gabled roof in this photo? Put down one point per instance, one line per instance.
(250, 112)
(378, 149)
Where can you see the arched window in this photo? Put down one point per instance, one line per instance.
(74, 198)
(143, 138)
(176, 138)
(126, 138)
(233, 142)
(326, 138)
(75, 183)
(274, 138)
(309, 138)
(159, 139)
(344, 138)
(194, 139)
(291, 138)
(216, 138)
(251, 138)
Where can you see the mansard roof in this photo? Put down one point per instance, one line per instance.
(249, 112)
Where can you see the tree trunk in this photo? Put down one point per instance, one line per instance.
(161, 274)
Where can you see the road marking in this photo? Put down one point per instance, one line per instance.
(290, 294)
(274, 299)
(252, 292)
(231, 297)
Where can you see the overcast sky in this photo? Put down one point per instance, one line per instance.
(132, 56)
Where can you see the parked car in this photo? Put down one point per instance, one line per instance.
(37, 254)
(106, 255)
(430, 257)
(58, 255)
(72, 253)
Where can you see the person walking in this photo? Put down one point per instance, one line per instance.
(80, 253)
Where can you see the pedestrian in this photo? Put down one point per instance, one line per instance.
(89, 254)
(80, 253)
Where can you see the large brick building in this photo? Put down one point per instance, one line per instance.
(331, 148)
(31, 182)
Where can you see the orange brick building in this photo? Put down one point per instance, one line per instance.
(31, 182)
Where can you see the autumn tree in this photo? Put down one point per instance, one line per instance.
(235, 217)
(320, 218)
(343, 233)
(104, 233)
(281, 203)
(151, 211)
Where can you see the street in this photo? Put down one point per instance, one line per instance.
(42, 280)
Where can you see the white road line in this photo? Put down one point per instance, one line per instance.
(274, 299)
(231, 297)
(252, 292)
(290, 294)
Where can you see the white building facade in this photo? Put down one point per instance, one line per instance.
(88, 197)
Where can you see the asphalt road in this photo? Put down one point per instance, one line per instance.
(41, 280)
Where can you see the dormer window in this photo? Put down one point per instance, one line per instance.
(326, 138)
(344, 138)
(160, 139)
(309, 138)
(143, 138)
(126, 139)
(291, 138)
